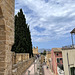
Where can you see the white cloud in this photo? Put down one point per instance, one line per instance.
(56, 16)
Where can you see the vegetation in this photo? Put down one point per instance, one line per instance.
(44, 52)
(23, 43)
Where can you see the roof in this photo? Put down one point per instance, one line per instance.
(48, 52)
(73, 31)
(57, 49)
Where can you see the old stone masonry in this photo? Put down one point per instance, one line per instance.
(6, 35)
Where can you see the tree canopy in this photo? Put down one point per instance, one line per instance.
(23, 42)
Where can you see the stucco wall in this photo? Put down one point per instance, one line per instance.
(48, 56)
(54, 60)
(68, 57)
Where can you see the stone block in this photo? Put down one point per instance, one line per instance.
(1, 10)
(1, 73)
(2, 64)
(2, 69)
(2, 38)
(6, 19)
(2, 22)
(2, 59)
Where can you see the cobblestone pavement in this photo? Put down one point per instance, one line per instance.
(46, 71)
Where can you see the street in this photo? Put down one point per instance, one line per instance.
(32, 70)
(46, 71)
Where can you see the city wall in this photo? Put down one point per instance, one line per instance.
(20, 63)
(10, 63)
(21, 66)
(19, 57)
(6, 36)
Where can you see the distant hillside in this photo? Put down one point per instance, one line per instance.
(41, 50)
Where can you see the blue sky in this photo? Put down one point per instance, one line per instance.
(50, 21)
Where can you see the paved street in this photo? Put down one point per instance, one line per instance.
(46, 71)
(31, 69)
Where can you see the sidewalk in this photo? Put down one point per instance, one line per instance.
(46, 71)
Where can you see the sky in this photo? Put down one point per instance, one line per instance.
(50, 21)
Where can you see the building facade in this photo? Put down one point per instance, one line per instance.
(69, 61)
(68, 53)
(56, 59)
(48, 59)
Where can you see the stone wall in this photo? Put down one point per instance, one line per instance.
(9, 65)
(19, 57)
(21, 67)
(6, 35)
(21, 62)
(35, 50)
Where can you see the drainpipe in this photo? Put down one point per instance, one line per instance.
(68, 64)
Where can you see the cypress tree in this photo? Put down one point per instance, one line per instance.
(23, 42)
(29, 42)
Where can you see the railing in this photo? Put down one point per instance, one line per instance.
(68, 47)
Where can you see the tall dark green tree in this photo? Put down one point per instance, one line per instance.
(23, 43)
(29, 41)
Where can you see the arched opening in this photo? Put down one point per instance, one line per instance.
(72, 70)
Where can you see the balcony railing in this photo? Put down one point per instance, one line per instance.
(68, 47)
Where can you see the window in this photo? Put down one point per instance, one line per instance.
(72, 70)
(58, 60)
(57, 54)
